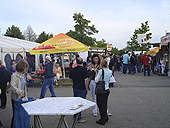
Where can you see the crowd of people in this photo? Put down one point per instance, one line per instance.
(90, 75)
(129, 63)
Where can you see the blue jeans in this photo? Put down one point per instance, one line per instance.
(29, 83)
(79, 93)
(139, 65)
(148, 67)
(129, 68)
(48, 83)
(132, 68)
(122, 67)
(157, 65)
(115, 66)
(125, 66)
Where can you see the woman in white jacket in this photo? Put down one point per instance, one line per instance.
(18, 84)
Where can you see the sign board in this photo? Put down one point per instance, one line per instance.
(165, 39)
(142, 38)
(109, 47)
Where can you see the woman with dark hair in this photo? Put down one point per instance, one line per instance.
(94, 67)
(102, 98)
(18, 82)
(12, 68)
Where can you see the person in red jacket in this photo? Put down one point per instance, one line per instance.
(145, 61)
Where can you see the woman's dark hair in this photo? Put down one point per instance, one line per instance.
(21, 65)
(95, 55)
(133, 54)
(12, 61)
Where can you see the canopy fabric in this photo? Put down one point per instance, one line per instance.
(10, 47)
(153, 51)
(59, 44)
(15, 45)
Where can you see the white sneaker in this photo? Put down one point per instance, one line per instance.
(109, 114)
(95, 114)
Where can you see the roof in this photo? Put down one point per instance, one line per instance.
(10, 44)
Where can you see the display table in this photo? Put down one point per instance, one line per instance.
(57, 106)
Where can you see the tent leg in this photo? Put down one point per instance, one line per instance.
(62, 60)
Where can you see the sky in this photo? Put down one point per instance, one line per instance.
(116, 20)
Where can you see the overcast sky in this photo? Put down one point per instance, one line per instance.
(116, 20)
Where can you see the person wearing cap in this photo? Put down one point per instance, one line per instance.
(58, 72)
(49, 78)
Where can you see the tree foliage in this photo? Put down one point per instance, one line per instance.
(43, 37)
(102, 43)
(14, 32)
(115, 51)
(29, 34)
(133, 44)
(83, 30)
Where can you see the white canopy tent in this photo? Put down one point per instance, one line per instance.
(15, 46)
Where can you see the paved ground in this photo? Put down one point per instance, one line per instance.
(135, 102)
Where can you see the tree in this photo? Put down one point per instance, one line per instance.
(133, 44)
(43, 37)
(102, 43)
(83, 30)
(29, 34)
(14, 32)
(115, 51)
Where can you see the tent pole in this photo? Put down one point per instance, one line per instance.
(62, 60)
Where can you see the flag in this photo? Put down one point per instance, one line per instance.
(142, 38)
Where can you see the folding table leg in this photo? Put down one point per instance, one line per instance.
(37, 120)
(61, 121)
(75, 120)
(66, 125)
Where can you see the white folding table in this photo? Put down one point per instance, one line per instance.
(56, 106)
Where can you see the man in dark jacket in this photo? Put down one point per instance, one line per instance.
(49, 78)
(5, 77)
(112, 64)
(158, 57)
(80, 78)
(133, 63)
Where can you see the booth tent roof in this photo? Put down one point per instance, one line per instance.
(10, 44)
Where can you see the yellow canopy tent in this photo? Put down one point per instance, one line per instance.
(60, 43)
(153, 51)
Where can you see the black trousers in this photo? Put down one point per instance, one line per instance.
(3, 94)
(102, 105)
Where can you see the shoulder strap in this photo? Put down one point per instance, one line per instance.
(102, 74)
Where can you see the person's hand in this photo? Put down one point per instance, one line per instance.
(22, 94)
(95, 70)
(39, 75)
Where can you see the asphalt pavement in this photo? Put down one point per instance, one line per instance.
(136, 101)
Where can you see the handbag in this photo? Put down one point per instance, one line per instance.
(100, 86)
(112, 79)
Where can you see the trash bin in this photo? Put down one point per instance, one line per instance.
(21, 118)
